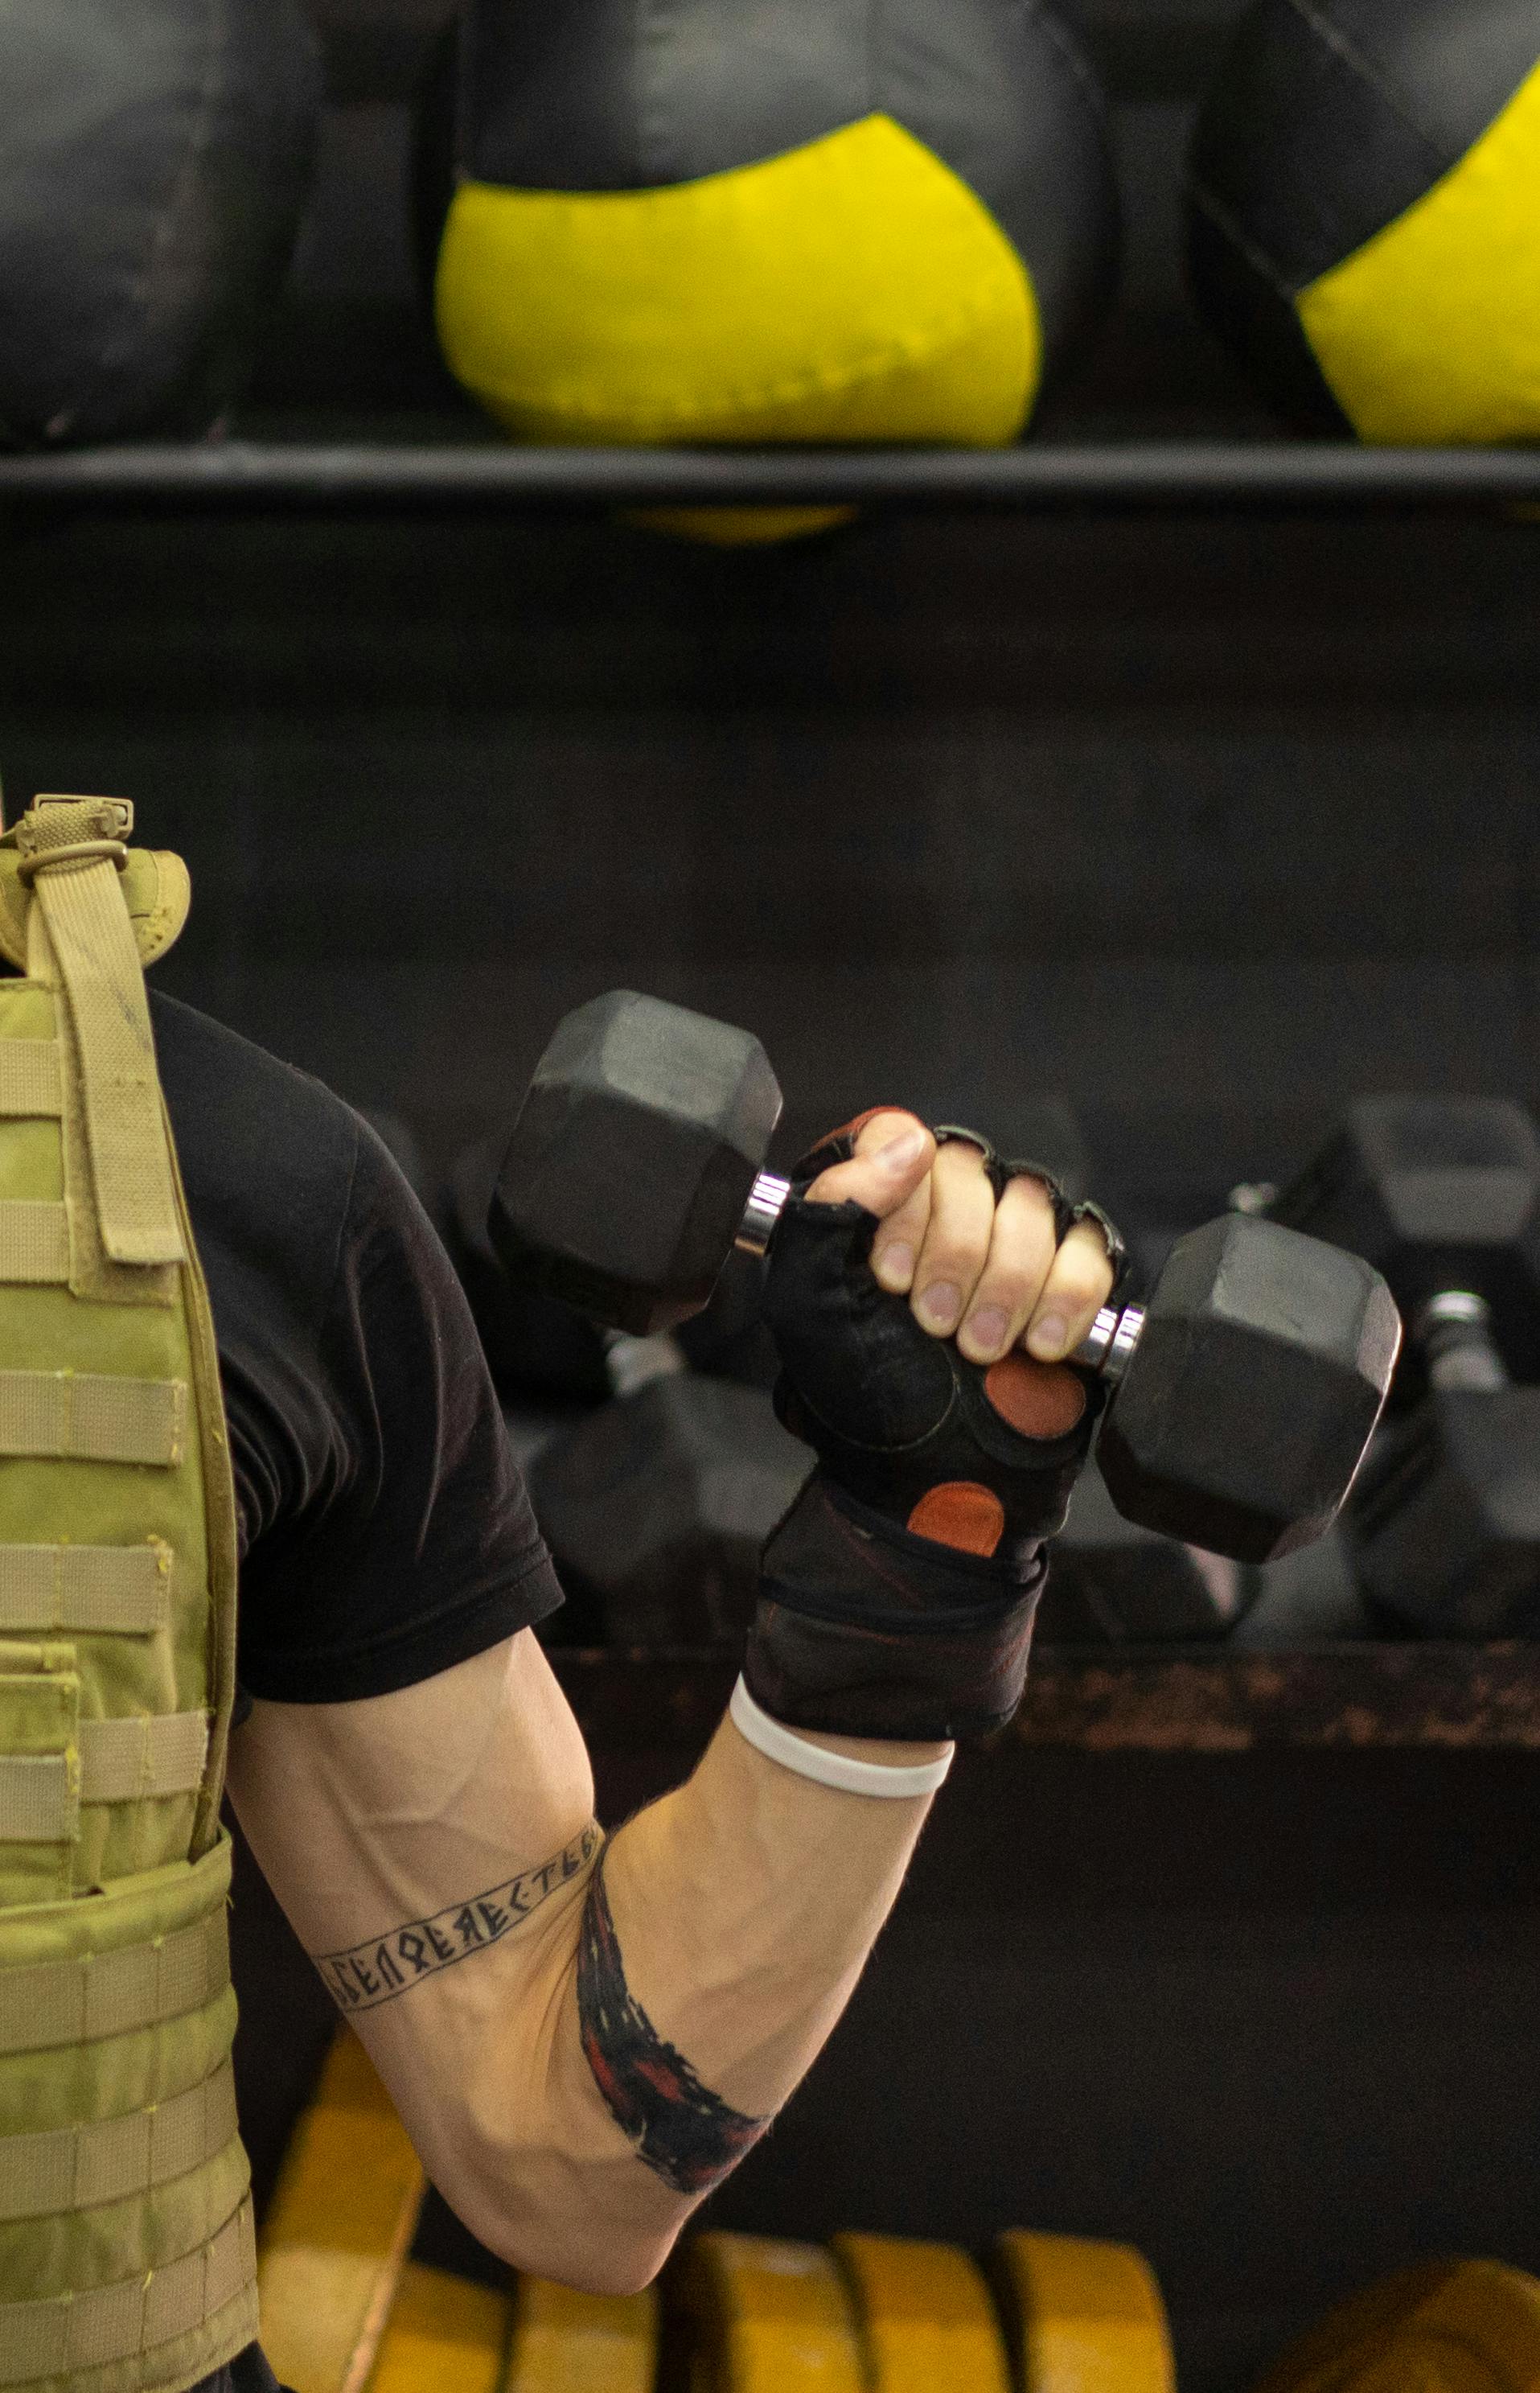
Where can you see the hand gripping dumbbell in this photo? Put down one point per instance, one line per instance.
(1246, 1391)
(1443, 1195)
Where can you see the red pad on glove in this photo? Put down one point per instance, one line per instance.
(1036, 1399)
(963, 1515)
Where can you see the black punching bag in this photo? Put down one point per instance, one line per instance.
(154, 157)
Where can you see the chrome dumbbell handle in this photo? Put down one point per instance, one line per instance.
(1107, 1347)
(766, 1203)
(1454, 1330)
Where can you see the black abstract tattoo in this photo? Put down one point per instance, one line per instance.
(684, 2133)
(373, 1973)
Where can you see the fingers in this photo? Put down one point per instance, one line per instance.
(957, 1241)
(1079, 1284)
(895, 1248)
(1015, 1272)
(893, 1155)
(989, 1273)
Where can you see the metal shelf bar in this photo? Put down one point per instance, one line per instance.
(1211, 1699)
(1301, 477)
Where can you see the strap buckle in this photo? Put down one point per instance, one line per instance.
(117, 813)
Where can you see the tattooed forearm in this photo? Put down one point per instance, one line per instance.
(684, 2133)
(373, 1973)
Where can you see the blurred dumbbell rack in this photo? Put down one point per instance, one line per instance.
(1344, 1698)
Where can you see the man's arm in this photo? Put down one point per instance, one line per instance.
(743, 1905)
(580, 2055)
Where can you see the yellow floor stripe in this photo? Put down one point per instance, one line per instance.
(444, 2336)
(569, 2342)
(925, 2316)
(1082, 2317)
(339, 2229)
(765, 2316)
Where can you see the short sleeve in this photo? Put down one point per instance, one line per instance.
(389, 1532)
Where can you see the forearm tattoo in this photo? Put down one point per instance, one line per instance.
(367, 1975)
(684, 2133)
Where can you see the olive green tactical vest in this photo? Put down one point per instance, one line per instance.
(127, 2260)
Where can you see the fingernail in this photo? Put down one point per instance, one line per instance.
(900, 1152)
(986, 1329)
(1048, 1338)
(895, 1265)
(940, 1305)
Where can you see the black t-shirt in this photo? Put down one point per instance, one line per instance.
(386, 1533)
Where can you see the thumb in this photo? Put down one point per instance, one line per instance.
(880, 1180)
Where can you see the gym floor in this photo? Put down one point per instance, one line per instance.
(1269, 2015)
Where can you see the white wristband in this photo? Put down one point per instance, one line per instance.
(778, 1743)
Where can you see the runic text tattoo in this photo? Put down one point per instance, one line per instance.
(369, 1974)
(684, 2133)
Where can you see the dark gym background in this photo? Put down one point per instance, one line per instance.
(1207, 823)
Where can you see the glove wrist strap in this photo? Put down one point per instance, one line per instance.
(863, 1629)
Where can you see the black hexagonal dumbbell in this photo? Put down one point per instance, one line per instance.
(1114, 1582)
(1246, 1391)
(657, 1503)
(1442, 1196)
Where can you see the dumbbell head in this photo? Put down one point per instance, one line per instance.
(1437, 1193)
(656, 1507)
(1445, 1524)
(1113, 1582)
(1257, 1378)
(1444, 1194)
(624, 1182)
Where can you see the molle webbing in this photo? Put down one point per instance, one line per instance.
(126, 2258)
(97, 1588)
(85, 1417)
(112, 1761)
(66, 2168)
(103, 1994)
(34, 1243)
(30, 1079)
(79, 2332)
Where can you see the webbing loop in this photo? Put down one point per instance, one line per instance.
(88, 1417)
(55, 2002)
(108, 2160)
(30, 1084)
(113, 1762)
(34, 1243)
(93, 1590)
(123, 1759)
(75, 852)
(59, 2338)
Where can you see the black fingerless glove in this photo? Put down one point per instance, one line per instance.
(898, 1596)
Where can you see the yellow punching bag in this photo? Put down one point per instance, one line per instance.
(1364, 214)
(751, 221)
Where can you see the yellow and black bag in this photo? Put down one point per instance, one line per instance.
(763, 221)
(1364, 214)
